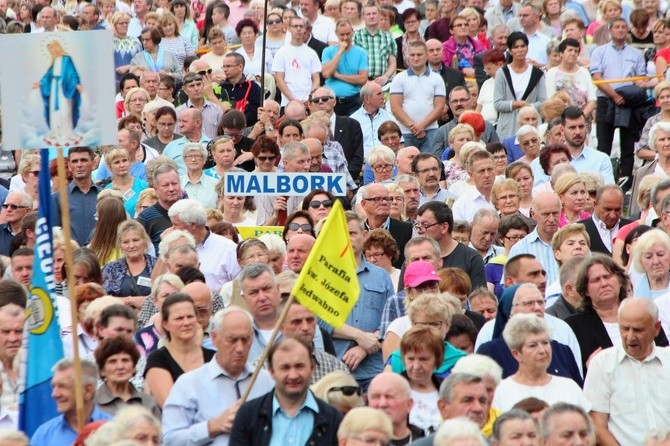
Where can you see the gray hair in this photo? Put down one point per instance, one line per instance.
(293, 149)
(165, 244)
(448, 385)
(255, 270)
(660, 126)
(499, 29)
(514, 414)
(560, 170)
(89, 371)
(460, 428)
(130, 416)
(646, 242)
(194, 147)
(366, 90)
(273, 243)
(648, 305)
(483, 213)
(479, 365)
(189, 211)
(381, 152)
(661, 186)
(218, 317)
(406, 178)
(520, 326)
(559, 409)
(655, 436)
(353, 216)
(26, 200)
(527, 108)
(423, 239)
(525, 129)
(161, 169)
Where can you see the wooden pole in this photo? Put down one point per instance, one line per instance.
(273, 336)
(67, 236)
(265, 35)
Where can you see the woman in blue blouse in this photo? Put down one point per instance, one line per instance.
(125, 46)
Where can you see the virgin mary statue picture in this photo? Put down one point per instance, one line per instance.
(62, 96)
(61, 91)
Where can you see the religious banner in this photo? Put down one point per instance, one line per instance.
(61, 96)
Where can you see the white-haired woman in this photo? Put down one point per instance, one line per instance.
(137, 424)
(528, 115)
(527, 336)
(646, 149)
(26, 178)
(651, 257)
(466, 185)
(454, 168)
(530, 142)
(199, 186)
(276, 251)
(381, 162)
(659, 140)
(459, 432)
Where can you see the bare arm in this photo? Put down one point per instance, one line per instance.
(281, 84)
(398, 112)
(316, 81)
(603, 435)
(439, 104)
(355, 79)
(160, 383)
(391, 343)
(329, 68)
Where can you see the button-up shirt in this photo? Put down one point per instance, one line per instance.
(468, 204)
(203, 190)
(175, 149)
(613, 62)
(591, 160)
(537, 47)
(370, 123)
(442, 195)
(294, 430)
(379, 46)
(191, 403)
(82, 211)
(211, 115)
(218, 260)
(606, 235)
(491, 253)
(633, 393)
(533, 244)
(57, 432)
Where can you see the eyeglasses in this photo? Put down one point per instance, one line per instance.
(204, 72)
(13, 206)
(371, 441)
(274, 22)
(321, 99)
(428, 170)
(346, 390)
(194, 156)
(165, 124)
(316, 204)
(297, 26)
(374, 255)
(459, 25)
(499, 157)
(514, 238)
(530, 303)
(383, 168)
(378, 200)
(296, 226)
(424, 227)
(530, 141)
(265, 159)
(434, 324)
(233, 135)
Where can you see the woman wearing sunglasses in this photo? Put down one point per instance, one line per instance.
(340, 390)
(276, 36)
(298, 223)
(318, 204)
(266, 153)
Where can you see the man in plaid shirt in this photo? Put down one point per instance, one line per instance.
(379, 44)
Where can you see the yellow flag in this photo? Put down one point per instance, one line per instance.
(256, 231)
(328, 285)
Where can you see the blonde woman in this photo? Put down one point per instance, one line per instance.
(130, 187)
(454, 168)
(340, 390)
(571, 190)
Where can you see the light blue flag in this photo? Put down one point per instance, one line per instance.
(42, 334)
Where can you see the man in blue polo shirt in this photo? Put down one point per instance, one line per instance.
(63, 429)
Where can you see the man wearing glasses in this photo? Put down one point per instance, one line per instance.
(240, 89)
(16, 206)
(427, 169)
(296, 66)
(377, 206)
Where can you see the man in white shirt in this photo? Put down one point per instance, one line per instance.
(481, 168)
(529, 18)
(627, 384)
(323, 28)
(296, 66)
(371, 115)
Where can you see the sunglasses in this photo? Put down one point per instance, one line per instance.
(14, 207)
(321, 99)
(316, 204)
(265, 159)
(274, 22)
(204, 72)
(346, 390)
(296, 226)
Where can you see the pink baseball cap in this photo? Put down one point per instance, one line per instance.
(419, 272)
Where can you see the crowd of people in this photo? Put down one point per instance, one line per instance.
(504, 297)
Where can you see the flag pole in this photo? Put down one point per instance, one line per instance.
(265, 34)
(269, 344)
(67, 236)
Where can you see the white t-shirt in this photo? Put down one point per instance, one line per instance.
(298, 63)
(485, 99)
(520, 81)
(400, 326)
(418, 94)
(557, 390)
(424, 413)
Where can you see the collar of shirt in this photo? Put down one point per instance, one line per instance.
(426, 72)
(205, 104)
(332, 123)
(622, 355)
(601, 224)
(492, 252)
(386, 225)
(104, 396)
(535, 237)
(618, 48)
(309, 403)
(214, 370)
